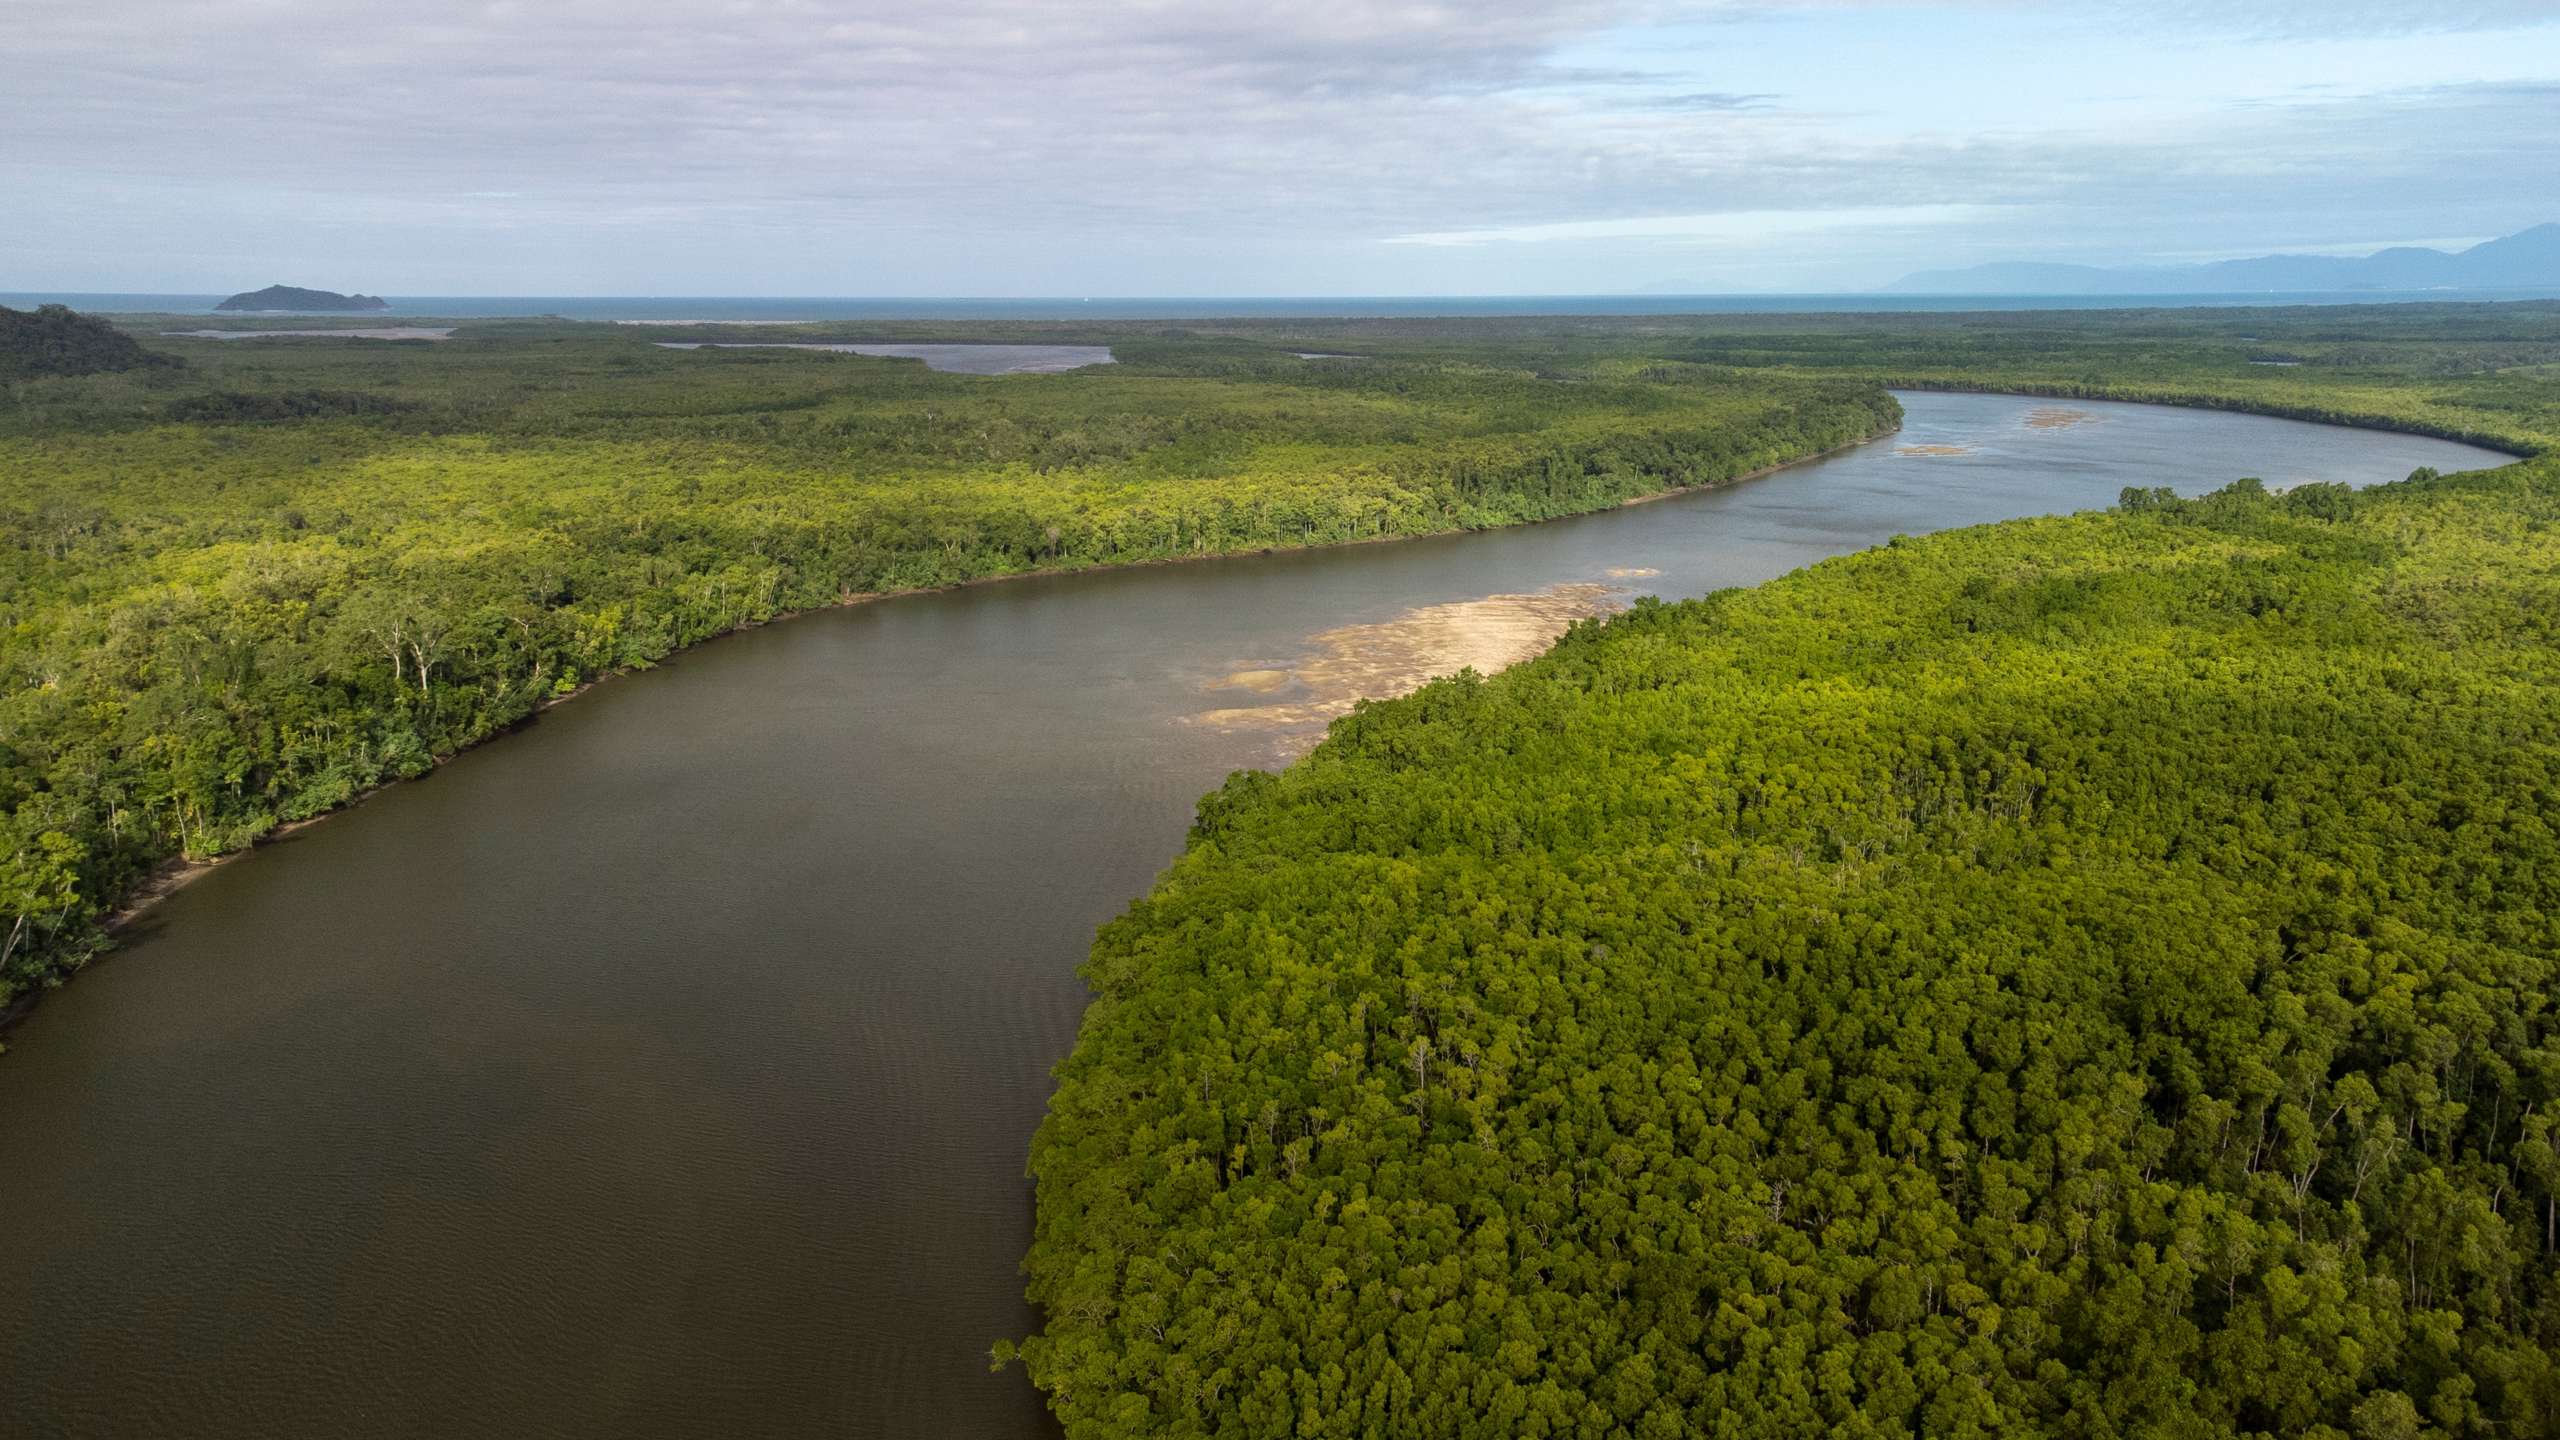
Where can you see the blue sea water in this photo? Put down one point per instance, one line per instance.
(783, 309)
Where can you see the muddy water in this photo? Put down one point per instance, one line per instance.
(667, 1069)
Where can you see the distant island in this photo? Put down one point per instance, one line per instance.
(294, 297)
(2529, 260)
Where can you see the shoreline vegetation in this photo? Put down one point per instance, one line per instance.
(177, 872)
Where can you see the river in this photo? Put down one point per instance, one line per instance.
(667, 1068)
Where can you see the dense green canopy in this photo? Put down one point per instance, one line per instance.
(2080, 977)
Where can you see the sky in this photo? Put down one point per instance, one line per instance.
(1244, 147)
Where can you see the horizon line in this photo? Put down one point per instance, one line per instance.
(1314, 296)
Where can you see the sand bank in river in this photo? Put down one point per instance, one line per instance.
(1392, 657)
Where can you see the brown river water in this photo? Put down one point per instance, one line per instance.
(667, 1068)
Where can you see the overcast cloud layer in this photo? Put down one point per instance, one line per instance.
(1237, 147)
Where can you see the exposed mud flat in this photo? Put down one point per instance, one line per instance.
(1631, 572)
(1928, 450)
(2058, 417)
(1386, 658)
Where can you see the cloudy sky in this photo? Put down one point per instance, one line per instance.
(1244, 147)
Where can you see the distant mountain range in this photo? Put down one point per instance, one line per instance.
(2529, 260)
(294, 297)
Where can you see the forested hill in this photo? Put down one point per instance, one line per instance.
(56, 340)
(2076, 977)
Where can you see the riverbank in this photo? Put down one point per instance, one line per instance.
(178, 872)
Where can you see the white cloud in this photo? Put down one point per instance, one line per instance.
(1132, 146)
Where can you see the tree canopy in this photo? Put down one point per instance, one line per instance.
(2076, 977)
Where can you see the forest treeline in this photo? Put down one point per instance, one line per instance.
(241, 592)
(2076, 977)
